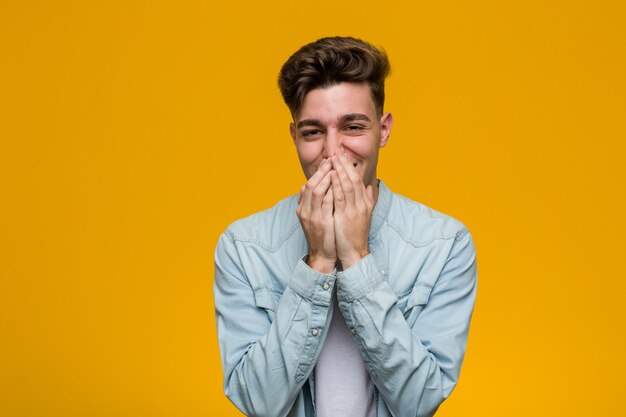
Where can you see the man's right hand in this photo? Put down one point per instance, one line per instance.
(315, 211)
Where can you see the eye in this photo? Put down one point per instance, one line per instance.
(310, 132)
(354, 128)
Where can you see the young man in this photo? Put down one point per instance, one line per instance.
(347, 299)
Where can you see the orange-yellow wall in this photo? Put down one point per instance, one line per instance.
(132, 133)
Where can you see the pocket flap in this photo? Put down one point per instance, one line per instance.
(266, 299)
(419, 296)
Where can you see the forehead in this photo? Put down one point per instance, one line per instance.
(330, 103)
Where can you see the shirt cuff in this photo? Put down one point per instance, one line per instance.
(360, 279)
(311, 284)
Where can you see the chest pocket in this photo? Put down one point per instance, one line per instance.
(412, 303)
(267, 300)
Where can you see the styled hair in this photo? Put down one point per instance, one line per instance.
(330, 61)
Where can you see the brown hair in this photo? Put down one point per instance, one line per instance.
(329, 61)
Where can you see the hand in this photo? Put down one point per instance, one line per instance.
(315, 212)
(354, 204)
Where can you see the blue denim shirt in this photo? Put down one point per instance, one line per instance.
(408, 303)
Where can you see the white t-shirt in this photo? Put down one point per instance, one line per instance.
(342, 385)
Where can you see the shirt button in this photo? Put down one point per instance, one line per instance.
(315, 332)
(326, 286)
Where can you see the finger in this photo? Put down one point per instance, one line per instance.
(327, 203)
(344, 181)
(338, 197)
(320, 192)
(355, 178)
(322, 170)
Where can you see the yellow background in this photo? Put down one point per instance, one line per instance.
(132, 133)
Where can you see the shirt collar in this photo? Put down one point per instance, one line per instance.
(381, 210)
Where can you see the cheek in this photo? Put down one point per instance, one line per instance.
(309, 152)
(364, 148)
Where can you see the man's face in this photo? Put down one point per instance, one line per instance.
(336, 119)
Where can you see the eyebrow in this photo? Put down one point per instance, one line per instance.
(345, 118)
(355, 116)
(309, 122)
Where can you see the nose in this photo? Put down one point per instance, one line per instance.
(332, 143)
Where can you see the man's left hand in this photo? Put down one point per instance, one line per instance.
(354, 204)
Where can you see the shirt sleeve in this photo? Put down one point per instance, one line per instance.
(267, 361)
(414, 366)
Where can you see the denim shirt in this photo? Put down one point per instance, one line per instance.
(408, 304)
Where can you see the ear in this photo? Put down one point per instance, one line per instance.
(386, 122)
(292, 131)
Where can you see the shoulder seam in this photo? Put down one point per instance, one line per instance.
(458, 235)
(265, 246)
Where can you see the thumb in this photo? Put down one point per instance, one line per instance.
(370, 193)
(301, 192)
